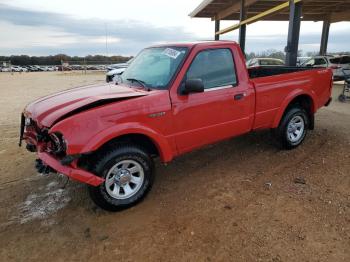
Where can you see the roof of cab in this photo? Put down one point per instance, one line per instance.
(195, 43)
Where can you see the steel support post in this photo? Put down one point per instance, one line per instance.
(217, 28)
(242, 28)
(295, 13)
(324, 38)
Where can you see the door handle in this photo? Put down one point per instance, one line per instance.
(239, 96)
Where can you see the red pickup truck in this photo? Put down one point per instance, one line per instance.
(172, 99)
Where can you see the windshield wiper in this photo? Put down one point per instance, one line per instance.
(142, 83)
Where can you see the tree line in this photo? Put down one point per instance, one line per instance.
(58, 59)
(272, 53)
(100, 59)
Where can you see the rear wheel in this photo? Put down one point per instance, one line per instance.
(293, 128)
(128, 174)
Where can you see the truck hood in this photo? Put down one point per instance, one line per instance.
(47, 110)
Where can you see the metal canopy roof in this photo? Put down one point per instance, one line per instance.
(313, 10)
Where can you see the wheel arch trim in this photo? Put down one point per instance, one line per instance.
(286, 102)
(161, 143)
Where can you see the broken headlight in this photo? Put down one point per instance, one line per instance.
(27, 121)
(58, 143)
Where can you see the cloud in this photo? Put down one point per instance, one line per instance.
(338, 41)
(44, 32)
(126, 36)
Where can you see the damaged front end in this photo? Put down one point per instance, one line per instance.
(51, 150)
(40, 119)
(39, 139)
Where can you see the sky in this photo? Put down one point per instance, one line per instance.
(80, 27)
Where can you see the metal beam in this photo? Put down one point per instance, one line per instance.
(282, 16)
(217, 28)
(324, 38)
(313, 10)
(242, 28)
(199, 8)
(232, 9)
(340, 16)
(295, 13)
(258, 17)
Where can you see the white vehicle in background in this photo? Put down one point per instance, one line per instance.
(15, 69)
(6, 69)
(255, 62)
(50, 68)
(302, 59)
(116, 71)
(336, 63)
(113, 73)
(18, 69)
(119, 65)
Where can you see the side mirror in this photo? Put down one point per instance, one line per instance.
(193, 86)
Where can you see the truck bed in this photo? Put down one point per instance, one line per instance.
(274, 84)
(263, 71)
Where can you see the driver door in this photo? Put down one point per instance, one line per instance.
(223, 110)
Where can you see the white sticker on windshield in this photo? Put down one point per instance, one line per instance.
(171, 53)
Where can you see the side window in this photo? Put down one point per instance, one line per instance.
(311, 62)
(253, 62)
(320, 62)
(335, 60)
(214, 67)
(345, 60)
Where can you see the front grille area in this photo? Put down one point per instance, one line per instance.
(32, 134)
(39, 140)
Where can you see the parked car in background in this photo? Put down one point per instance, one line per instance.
(48, 68)
(18, 69)
(119, 65)
(15, 69)
(32, 68)
(40, 68)
(111, 74)
(171, 100)
(336, 63)
(64, 68)
(6, 69)
(264, 62)
(302, 59)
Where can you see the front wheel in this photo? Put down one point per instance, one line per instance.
(128, 174)
(293, 128)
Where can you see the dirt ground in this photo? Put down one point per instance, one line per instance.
(235, 201)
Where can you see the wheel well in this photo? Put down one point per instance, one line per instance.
(137, 139)
(306, 103)
(86, 160)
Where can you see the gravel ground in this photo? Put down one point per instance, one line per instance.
(240, 200)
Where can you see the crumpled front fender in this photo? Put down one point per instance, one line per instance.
(106, 135)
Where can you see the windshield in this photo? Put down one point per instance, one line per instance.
(154, 67)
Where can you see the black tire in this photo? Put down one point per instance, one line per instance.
(281, 132)
(109, 158)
